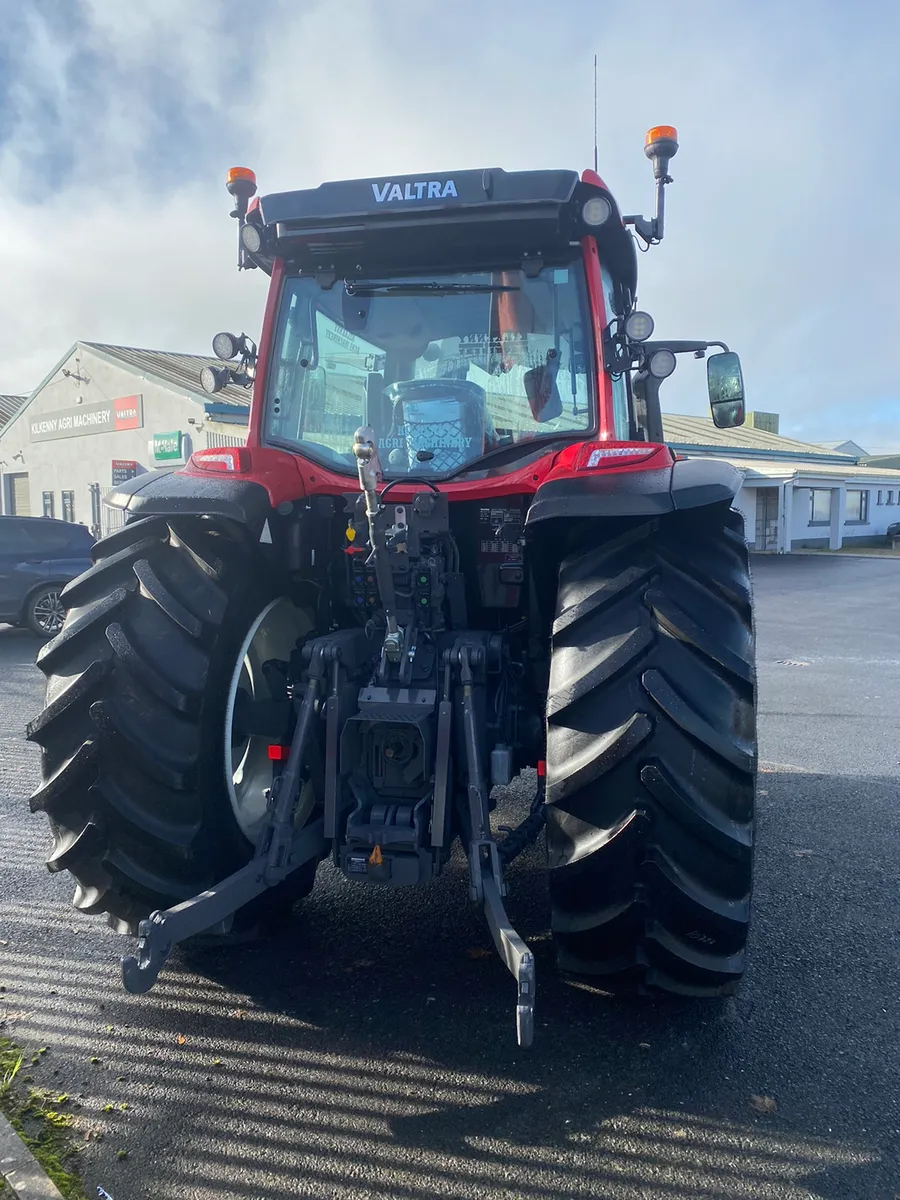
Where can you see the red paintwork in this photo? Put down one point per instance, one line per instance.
(279, 472)
(594, 179)
(266, 340)
(607, 426)
(287, 476)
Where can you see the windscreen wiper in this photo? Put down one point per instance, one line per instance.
(426, 289)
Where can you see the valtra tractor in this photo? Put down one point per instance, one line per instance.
(454, 546)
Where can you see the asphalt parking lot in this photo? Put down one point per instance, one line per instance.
(370, 1051)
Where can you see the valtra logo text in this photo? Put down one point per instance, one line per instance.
(128, 412)
(425, 189)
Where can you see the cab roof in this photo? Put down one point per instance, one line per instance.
(430, 219)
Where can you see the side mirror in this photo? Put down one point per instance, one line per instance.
(725, 383)
(543, 395)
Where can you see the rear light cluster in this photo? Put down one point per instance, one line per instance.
(233, 460)
(595, 456)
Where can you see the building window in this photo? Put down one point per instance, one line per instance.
(857, 508)
(68, 506)
(48, 504)
(880, 496)
(820, 506)
(890, 498)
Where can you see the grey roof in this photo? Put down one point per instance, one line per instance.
(700, 431)
(840, 446)
(9, 406)
(181, 370)
(851, 471)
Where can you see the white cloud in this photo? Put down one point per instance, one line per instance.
(780, 238)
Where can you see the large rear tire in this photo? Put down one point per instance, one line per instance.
(145, 805)
(651, 755)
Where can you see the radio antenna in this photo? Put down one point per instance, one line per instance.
(595, 114)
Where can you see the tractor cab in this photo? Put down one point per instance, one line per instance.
(472, 316)
(460, 317)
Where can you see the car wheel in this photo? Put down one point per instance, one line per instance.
(45, 612)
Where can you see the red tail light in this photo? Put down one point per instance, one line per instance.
(595, 456)
(234, 460)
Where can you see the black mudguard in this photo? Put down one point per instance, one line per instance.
(689, 483)
(171, 493)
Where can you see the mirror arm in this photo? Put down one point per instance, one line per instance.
(642, 227)
(679, 347)
(617, 357)
(646, 388)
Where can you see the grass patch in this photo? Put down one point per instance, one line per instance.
(35, 1115)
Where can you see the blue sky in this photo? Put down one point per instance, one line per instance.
(118, 121)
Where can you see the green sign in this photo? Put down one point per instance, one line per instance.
(167, 447)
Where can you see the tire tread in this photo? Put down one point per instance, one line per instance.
(651, 755)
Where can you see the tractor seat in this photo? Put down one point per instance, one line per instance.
(446, 418)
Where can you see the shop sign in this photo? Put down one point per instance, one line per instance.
(126, 412)
(123, 469)
(167, 447)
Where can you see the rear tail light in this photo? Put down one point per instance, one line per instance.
(233, 460)
(595, 456)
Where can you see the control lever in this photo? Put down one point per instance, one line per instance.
(368, 466)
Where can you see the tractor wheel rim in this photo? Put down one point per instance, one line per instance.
(48, 612)
(248, 768)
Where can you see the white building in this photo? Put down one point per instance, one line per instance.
(795, 495)
(103, 415)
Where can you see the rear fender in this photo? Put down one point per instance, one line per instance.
(269, 481)
(652, 488)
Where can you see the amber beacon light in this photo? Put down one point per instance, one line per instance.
(241, 184)
(660, 146)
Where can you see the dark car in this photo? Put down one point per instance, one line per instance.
(38, 557)
(893, 531)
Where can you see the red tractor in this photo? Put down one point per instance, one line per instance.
(454, 546)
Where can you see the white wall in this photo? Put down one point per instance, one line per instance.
(880, 515)
(745, 503)
(800, 526)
